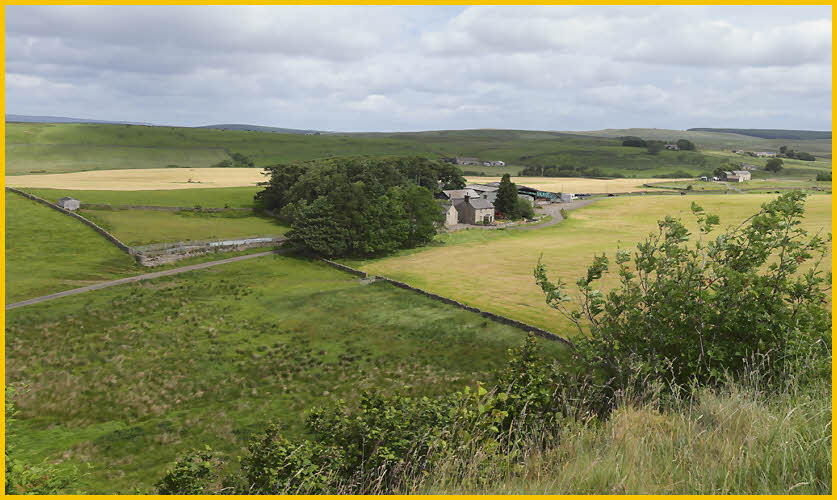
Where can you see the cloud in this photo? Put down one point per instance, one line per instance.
(411, 68)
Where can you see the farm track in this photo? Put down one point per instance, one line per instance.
(141, 277)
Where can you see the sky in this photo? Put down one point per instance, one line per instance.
(379, 68)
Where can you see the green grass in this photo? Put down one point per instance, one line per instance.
(56, 148)
(47, 252)
(492, 270)
(237, 197)
(128, 377)
(143, 227)
(753, 184)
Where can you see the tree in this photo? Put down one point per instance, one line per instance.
(773, 165)
(684, 312)
(634, 142)
(655, 147)
(824, 176)
(685, 145)
(506, 202)
(525, 208)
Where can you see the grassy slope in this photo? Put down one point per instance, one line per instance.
(48, 252)
(58, 148)
(240, 197)
(142, 227)
(737, 440)
(492, 270)
(74, 147)
(128, 377)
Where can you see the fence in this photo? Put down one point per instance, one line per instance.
(492, 316)
(163, 253)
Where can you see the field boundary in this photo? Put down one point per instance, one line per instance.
(113, 239)
(490, 315)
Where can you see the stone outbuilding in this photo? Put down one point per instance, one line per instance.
(68, 203)
(451, 215)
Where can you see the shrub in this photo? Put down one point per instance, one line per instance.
(687, 313)
(525, 209)
(824, 176)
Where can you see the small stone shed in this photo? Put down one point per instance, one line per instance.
(68, 203)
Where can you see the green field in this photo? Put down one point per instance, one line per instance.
(143, 227)
(56, 148)
(753, 184)
(492, 270)
(237, 197)
(47, 252)
(127, 378)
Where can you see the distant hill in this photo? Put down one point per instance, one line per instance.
(65, 119)
(259, 128)
(766, 133)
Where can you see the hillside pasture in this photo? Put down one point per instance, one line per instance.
(143, 227)
(48, 252)
(151, 179)
(129, 377)
(493, 270)
(235, 197)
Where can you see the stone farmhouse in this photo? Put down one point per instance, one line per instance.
(738, 176)
(484, 191)
(474, 210)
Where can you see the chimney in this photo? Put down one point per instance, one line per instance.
(467, 198)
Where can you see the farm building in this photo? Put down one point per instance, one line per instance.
(485, 192)
(467, 161)
(474, 210)
(451, 215)
(68, 203)
(536, 194)
(672, 147)
(764, 154)
(459, 194)
(738, 176)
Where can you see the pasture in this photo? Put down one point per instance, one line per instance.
(493, 270)
(127, 378)
(143, 227)
(235, 197)
(48, 252)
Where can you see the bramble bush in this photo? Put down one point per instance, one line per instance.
(690, 312)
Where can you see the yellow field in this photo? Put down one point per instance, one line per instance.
(494, 271)
(575, 184)
(142, 179)
(178, 178)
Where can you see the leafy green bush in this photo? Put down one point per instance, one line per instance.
(824, 176)
(525, 208)
(687, 313)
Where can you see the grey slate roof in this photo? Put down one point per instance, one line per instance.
(482, 187)
(455, 194)
(67, 198)
(480, 203)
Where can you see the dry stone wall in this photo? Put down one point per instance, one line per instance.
(492, 316)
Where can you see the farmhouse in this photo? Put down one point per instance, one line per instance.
(474, 210)
(68, 203)
(765, 154)
(495, 163)
(738, 176)
(672, 147)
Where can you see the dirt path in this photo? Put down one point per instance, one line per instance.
(141, 277)
(554, 210)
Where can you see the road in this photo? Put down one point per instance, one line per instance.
(141, 277)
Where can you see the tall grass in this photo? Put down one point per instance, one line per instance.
(739, 439)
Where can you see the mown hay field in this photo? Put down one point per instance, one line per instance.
(129, 377)
(493, 270)
(576, 184)
(47, 252)
(142, 179)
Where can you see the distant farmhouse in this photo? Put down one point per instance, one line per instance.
(672, 147)
(68, 203)
(467, 161)
(496, 163)
(764, 154)
(738, 176)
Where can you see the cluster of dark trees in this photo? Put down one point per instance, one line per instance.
(509, 204)
(238, 160)
(824, 176)
(796, 155)
(564, 171)
(654, 146)
(359, 206)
